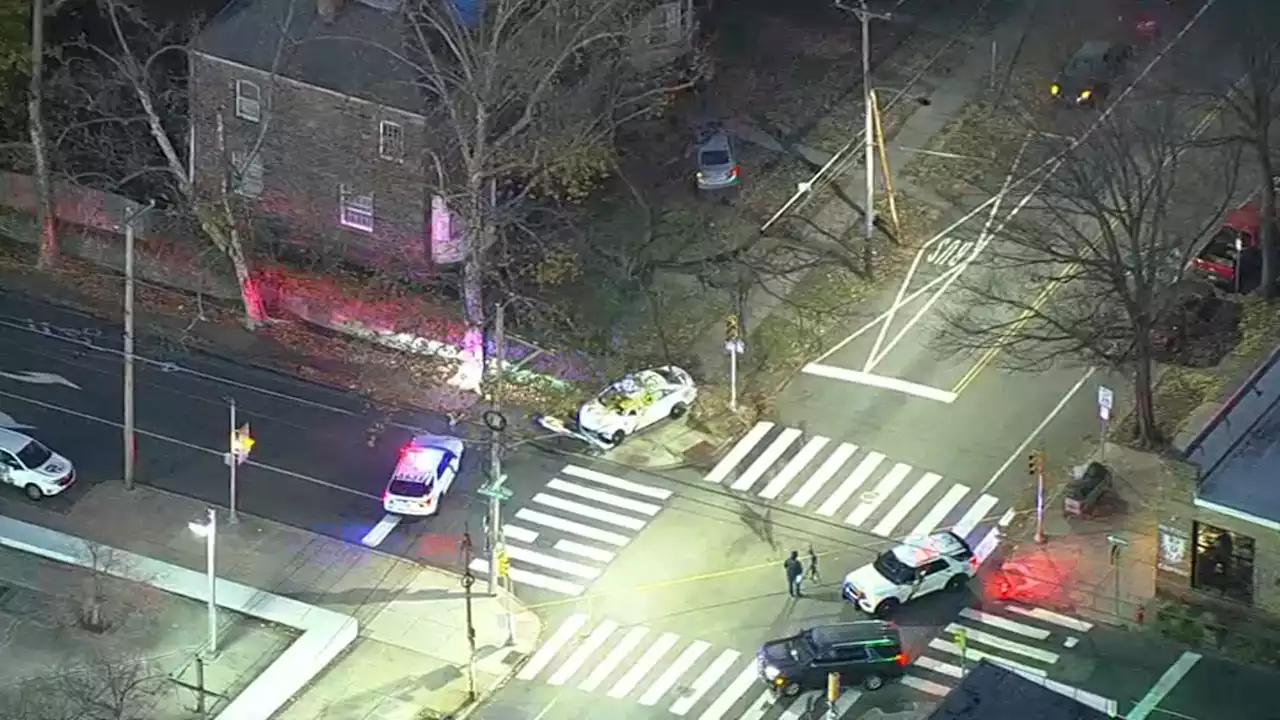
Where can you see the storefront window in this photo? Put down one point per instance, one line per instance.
(1223, 563)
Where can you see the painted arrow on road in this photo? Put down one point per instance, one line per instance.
(39, 378)
(8, 421)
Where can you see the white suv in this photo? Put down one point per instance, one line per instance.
(28, 464)
(919, 566)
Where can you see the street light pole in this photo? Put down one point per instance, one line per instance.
(232, 460)
(130, 459)
(496, 478)
(209, 531)
(869, 158)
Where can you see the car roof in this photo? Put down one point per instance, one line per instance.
(864, 631)
(1093, 49)
(437, 443)
(12, 440)
(714, 141)
(921, 550)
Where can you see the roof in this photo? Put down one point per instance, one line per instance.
(354, 55)
(1238, 451)
(12, 440)
(990, 692)
(919, 550)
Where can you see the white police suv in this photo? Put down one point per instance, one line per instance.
(919, 566)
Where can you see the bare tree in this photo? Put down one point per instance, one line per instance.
(1091, 273)
(104, 598)
(97, 685)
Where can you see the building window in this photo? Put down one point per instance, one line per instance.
(248, 101)
(1223, 563)
(246, 176)
(391, 141)
(357, 210)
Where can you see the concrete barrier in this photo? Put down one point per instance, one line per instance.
(324, 633)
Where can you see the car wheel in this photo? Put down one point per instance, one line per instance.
(886, 607)
(873, 682)
(678, 410)
(790, 690)
(617, 437)
(34, 492)
(957, 583)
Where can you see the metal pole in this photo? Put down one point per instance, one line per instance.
(496, 536)
(1040, 537)
(232, 460)
(869, 159)
(212, 545)
(467, 581)
(200, 701)
(833, 694)
(1102, 445)
(733, 378)
(129, 458)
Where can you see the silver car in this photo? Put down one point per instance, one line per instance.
(717, 164)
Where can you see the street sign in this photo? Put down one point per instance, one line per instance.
(735, 347)
(1106, 399)
(499, 492)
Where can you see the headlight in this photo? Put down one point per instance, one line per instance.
(771, 672)
(1054, 89)
(1086, 94)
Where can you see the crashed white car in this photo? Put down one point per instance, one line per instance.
(636, 401)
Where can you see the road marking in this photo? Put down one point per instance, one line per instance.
(976, 513)
(975, 655)
(191, 446)
(1005, 624)
(519, 534)
(605, 498)
(1164, 686)
(851, 484)
(940, 667)
(616, 483)
(739, 452)
(545, 654)
(379, 532)
(524, 577)
(615, 657)
(923, 685)
(584, 651)
(882, 382)
(570, 526)
(39, 378)
(987, 545)
(1050, 616)
(883, 489)
(1097, 702)
(668, 679)
(740, 685)
(793, 468)
(585, 551)
(940, 511)
(1043, 424)
(578, 508)
(995, 641)
(647, 662)
(1007, 517)
(534, 557)
(825, 472)
(766, 460)
(765, 702)
(913, 497)
(705, 681)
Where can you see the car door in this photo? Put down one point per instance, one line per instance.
(850, 661)
(11, 470)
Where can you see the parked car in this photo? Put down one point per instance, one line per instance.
(27, 464)
(636, 401)
(717, 162)
(867, 653)
(917, 567)
(1086, 79)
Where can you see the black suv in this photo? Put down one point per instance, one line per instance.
(1087, 77)
(867, 653)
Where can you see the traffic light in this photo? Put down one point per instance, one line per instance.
(1036, 463)
(504, 564)
(241, 443)
(732, 331)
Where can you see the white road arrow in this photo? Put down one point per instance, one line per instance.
(7, 421)
(39, 378)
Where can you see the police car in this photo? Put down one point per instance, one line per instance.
(26, 463)
(636, 401)
(917, 567)
(423, 474)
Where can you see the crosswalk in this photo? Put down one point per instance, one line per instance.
(688, 677)
(857, 485)
(573, 527)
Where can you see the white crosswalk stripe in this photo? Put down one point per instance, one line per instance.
(651, 667)
(572, 528)
(865, 487)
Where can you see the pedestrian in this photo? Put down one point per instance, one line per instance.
(795, 573)
(812, 574)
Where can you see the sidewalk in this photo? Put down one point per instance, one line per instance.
(412, 654)
(1073, 570)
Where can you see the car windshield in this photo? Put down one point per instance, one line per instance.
(714, 158)
(1222, 248)
(803, 649)
(894, 569)
(410, 488)
(34, 455)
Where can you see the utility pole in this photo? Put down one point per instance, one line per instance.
(865, 16)
(496, 428)
(1116, 542)
(232, 460)
(130, 459)
(468, 580)
(1036, 466)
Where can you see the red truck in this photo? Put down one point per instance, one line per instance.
(1232, 259)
